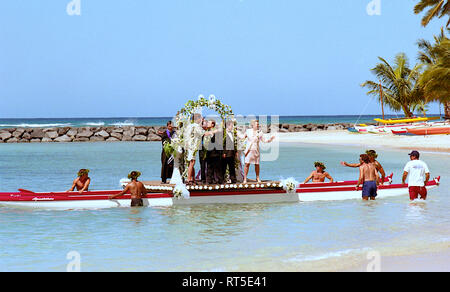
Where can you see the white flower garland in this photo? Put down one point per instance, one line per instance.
(289, 185)
(180, 192)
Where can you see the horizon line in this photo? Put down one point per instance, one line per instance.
(165, 117)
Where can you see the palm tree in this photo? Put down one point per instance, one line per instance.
(420, 107)
(399, 84)
(435, 80)
(436, 8)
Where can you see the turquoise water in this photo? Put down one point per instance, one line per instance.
(262, 237)
(154, 121)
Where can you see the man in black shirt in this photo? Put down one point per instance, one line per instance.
(229, 152)
(166, 167)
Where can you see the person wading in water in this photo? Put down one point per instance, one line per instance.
(135, 188)
(82, 182)
(319, 175)
(368, 177)
(373, 160)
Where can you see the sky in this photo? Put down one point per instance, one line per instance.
(144, 58)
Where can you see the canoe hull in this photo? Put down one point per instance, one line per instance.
(99, 200)
(103, 203)
(352, 195)
(406, 120)
(430, 131)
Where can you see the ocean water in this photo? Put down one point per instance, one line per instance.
(259, 237)
(160, 121)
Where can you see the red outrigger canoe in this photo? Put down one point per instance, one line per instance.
(266, 192)
(430, 131)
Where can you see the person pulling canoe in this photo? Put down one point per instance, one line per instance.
(419, 175)
(368, 177)
(135, 188)
(82, 182)
(319, 175)
(372, 156)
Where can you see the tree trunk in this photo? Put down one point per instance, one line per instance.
(447, 110)
(407, 111)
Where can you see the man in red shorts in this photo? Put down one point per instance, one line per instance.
(419, 175)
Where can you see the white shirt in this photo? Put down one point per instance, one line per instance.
(416, 170)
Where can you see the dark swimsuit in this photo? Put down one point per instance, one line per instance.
(369, 189)
(137, 203)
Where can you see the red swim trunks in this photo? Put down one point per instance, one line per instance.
(414, 193)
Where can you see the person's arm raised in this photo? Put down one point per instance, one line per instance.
(354, 165)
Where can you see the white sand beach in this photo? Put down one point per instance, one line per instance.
(438, 143)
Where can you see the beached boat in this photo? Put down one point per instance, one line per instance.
(393, 129)
(386, 129)
(406, 120)
(163, 196)
(430, 131)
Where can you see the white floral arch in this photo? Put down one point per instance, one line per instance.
(182, 120)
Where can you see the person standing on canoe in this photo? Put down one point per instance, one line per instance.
(82, 182)
(368, 177)
(135, 188)
(252, 151)
(373, 156)
(419, 175)
(193, 138)
(166, 166)
(319, 175)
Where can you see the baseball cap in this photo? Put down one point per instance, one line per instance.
(414, 153)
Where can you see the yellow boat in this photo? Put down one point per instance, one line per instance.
(406, 120)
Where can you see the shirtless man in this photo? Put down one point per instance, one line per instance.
(319, 175)
(135, 188)
(368, 176)
(81, 182)
(373, 156)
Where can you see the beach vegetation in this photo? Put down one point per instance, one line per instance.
(400, 90)
(435, 80)
(435, 8)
